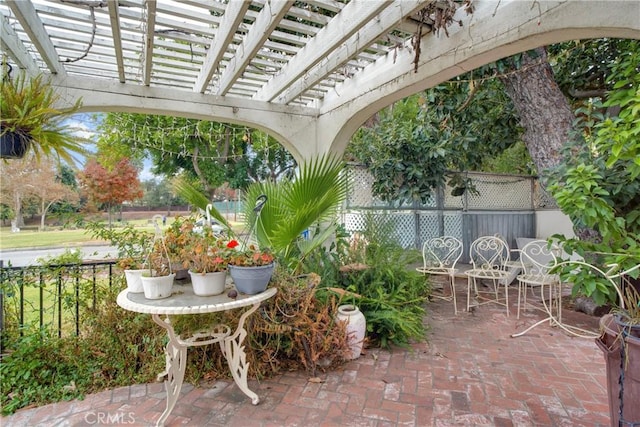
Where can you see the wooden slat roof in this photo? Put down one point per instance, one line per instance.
(277, 51)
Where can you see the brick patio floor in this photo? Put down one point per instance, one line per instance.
(469, 373)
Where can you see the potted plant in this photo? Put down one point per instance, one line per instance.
(29, 120)
(132, 246)
(157, 281)
(620, 343)
(206, 257)
(175, 239)
(250, 267)
(133, 270)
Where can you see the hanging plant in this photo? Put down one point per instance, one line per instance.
(29, 121)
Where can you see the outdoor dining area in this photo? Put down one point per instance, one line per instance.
(534, 267)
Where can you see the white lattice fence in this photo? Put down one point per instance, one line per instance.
(402, 224)
(500, 192)
(414, 223)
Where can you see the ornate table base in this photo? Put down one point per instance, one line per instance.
(176, 357)
(553, 309)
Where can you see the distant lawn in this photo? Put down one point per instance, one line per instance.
(57, 238)
(66, 238)
(35, 239)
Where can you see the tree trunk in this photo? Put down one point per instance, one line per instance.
(544, 114)
(543, 109)
(43, 213)
(18, 211)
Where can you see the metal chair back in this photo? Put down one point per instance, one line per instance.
(441, 253)
(489, 253)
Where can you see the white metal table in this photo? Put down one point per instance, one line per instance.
(184, 301)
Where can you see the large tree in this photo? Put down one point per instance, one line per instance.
(542, 108)
(204, 152)
(51, 190)
(30, 180)
(473, 117)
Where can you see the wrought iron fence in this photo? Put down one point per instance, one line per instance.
(52, 298)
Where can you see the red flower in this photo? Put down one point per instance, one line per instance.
(232, 244)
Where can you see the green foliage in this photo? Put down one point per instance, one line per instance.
(417, 141)
(6, 212)
(69, 256)
(27, 108)
(513, 160)
(116, 348)
(210, 152)
(158, 194)
(132, 245)
(391, 294)
(581, 67)
(308, 202)
(598, 184)
(39, 370)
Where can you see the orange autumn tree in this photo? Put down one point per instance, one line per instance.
(111, 188)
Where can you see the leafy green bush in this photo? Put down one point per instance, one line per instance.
(41, 369)
(598, 183)
(391, 294)
(115, 348)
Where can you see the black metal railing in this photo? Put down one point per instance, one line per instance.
(52, 298)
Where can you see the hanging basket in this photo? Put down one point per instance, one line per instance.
(13, 145)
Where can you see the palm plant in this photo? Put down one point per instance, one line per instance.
(308, 201)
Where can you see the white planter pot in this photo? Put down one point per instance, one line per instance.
(206, 284)
(157, 287)
(356, 328)
(134, 282)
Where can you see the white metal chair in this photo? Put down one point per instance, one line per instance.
(489, 256)
(440, 255)
(538, 258)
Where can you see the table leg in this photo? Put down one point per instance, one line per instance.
(176, 364)
(236, 357)
(555, 319)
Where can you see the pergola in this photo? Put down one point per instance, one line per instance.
(307, 72)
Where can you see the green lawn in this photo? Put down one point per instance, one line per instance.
(34, 239)
(66, 238)
(57, 238)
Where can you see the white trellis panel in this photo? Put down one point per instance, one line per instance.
(500, 192)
